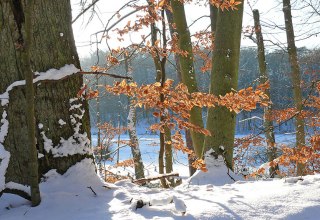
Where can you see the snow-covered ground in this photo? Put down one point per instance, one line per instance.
(68, 197)
(211, 195)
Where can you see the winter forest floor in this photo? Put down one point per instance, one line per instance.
(212, 195)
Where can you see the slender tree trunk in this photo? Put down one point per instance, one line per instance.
(224, 77)
(296, 80)
(61, 117)
(189, 143)
(31, 123)
(187, 70)
(165, 152)
(264, 77)
(134, 143)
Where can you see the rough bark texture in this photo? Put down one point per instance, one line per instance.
(296, 79)
(187, 70)
(264, 77)
(224, 77)
(31, 123)
(52, 47)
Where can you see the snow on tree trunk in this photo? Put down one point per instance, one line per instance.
(62, 130)
(134, 143)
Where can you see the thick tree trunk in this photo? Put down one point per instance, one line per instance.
(296, 80)
(62, 119)
(134, 143)
(187, 70)
(264, 77)
(224, 77)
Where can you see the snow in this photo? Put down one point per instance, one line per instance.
(159, 200)
(56, 74)
(51, 74)
(61, 122)
(217, 168)
(4, 155)
(210, 195)
(12, 185)
(78, 143)
(179, 205)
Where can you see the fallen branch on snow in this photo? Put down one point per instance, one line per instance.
(161, 176)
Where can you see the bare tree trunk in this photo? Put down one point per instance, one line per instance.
(134, 143)
(165, 151)
(189, 143)
(264, 77)
(187, 70)
(296, 80)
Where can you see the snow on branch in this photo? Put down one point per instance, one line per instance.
(51, 74)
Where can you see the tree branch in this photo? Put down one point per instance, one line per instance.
(105, 74)
(84, 11)
(144, 180)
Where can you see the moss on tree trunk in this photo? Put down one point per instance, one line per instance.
(187, 70)
(224, 77)
(52, 47)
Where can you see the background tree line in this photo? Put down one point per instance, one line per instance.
(114, 108)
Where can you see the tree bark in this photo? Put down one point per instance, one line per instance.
(31, 123)
(188, 138)
(134, 143)
(296, 80)
(224, 77)
(264, 77)
(188, 71)
(55, 101)
(165, 151)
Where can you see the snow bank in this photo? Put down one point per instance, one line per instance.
(218, 174)
(68, 197)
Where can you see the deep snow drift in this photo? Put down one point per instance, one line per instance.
(68, 197)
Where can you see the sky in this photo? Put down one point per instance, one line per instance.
(270, 14)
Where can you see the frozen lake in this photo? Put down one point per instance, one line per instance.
(149, 146)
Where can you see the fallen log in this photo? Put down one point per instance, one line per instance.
(148, 179)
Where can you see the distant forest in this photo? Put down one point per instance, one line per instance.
(113, 109)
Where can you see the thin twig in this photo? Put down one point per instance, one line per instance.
(89, 187)
(84, 10)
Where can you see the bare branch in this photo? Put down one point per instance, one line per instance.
(105, 74)
(84, 11)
